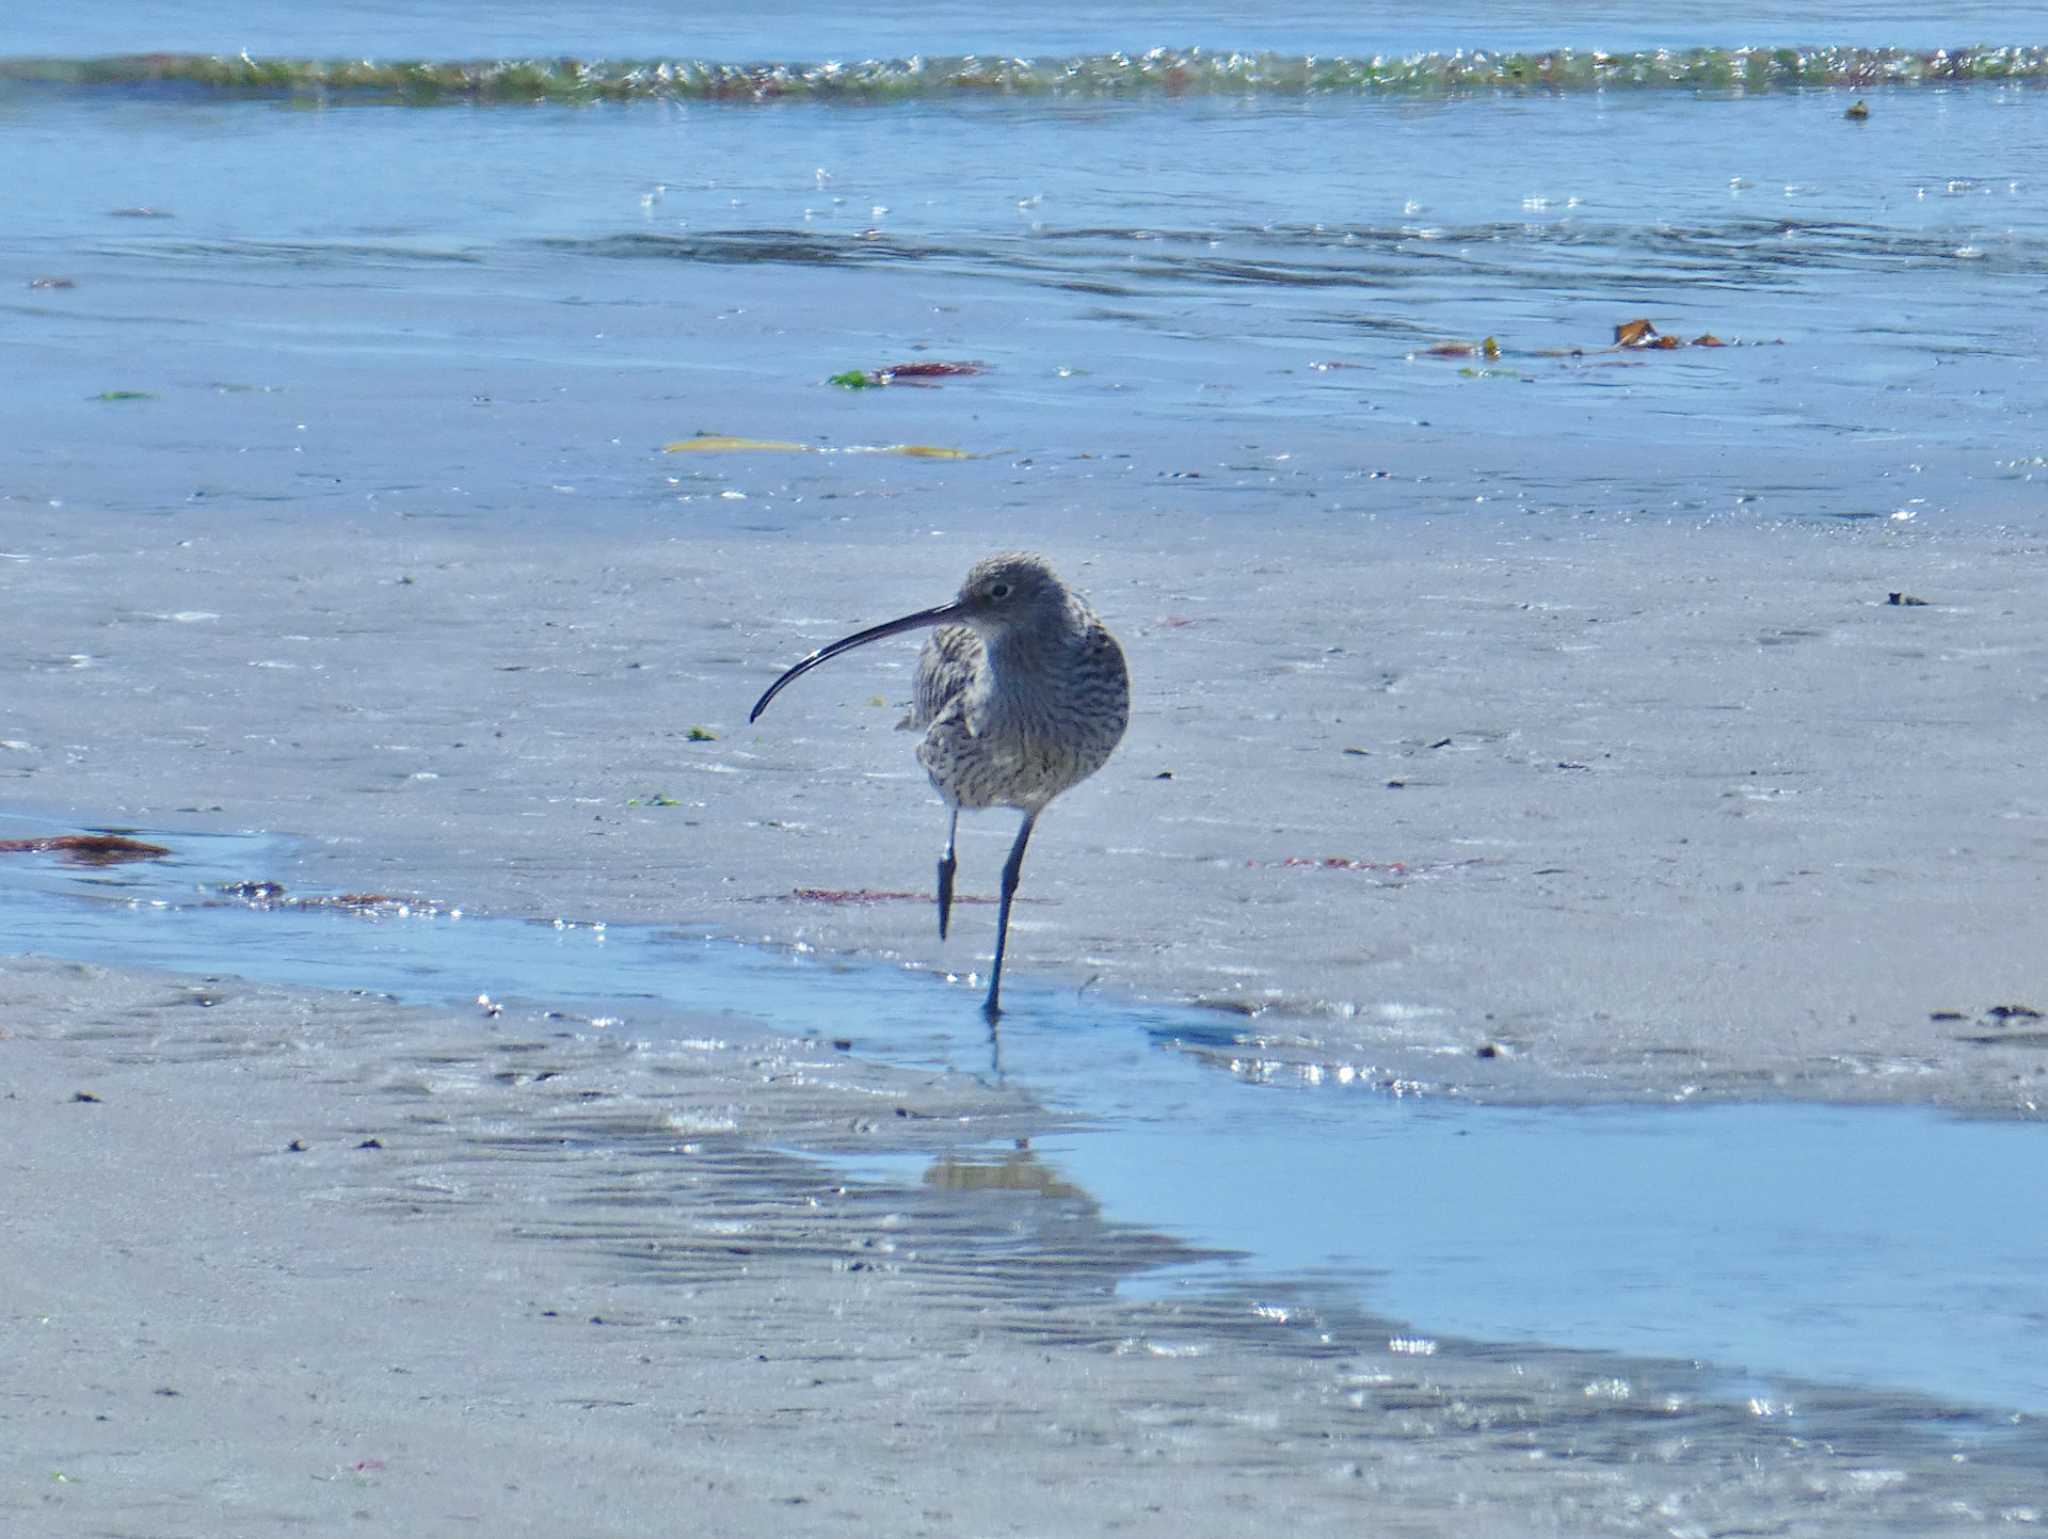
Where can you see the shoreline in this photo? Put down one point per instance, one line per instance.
(526, 1278)
(1540, 1029)
(295, 679)
(1645, 812)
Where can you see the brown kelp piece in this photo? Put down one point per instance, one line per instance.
(1640, 333)
(87, 849)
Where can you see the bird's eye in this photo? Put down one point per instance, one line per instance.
(1000, 591)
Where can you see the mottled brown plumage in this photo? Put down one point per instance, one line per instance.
(1021, 693)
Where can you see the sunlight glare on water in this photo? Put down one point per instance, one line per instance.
(1883, 1247)
(1249, 270)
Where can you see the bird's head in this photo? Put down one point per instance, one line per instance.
(1010, 592)
(1004, 598)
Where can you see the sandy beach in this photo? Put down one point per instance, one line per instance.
(1643, 813)
(1654, 811)
(314, 1263)
(1539, 1029)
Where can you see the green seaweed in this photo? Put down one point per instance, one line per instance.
(1163, 71)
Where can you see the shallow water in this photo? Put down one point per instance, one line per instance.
(350, 306)
(1889, 1248)
(766, 29)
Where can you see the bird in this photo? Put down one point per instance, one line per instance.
(1022, 693)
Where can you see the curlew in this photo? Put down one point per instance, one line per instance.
(1021, 693)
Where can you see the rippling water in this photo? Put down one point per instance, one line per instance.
(1720, 1233)
(722, 29)
(1282, 270)
(1171, 72)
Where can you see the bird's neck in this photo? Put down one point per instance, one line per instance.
(1024, 669)
(1030, 649)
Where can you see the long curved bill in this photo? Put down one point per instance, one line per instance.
(918, 621)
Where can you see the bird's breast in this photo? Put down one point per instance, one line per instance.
(1022, 731)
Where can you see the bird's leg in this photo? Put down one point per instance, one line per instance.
(990, 1007)
(946, 865)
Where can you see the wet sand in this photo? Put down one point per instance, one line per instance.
(1645, 812)
(1636, 810)
(312, 1261)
